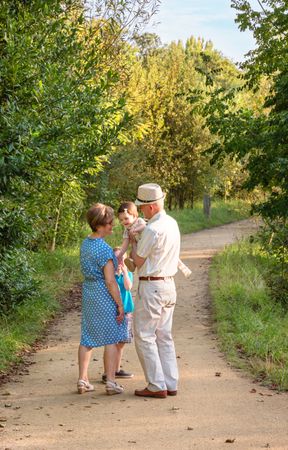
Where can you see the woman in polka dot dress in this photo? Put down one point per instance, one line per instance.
(103, 321)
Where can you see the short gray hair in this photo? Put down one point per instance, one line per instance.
(160, 203)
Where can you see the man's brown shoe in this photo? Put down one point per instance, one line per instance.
(171, 393)
(147, 393)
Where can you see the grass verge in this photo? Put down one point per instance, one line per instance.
(253, 329)
(56, 272)
(190, 220)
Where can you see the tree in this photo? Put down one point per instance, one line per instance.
(62, 110)
(168, 133)
(259, 136)
(62, 105)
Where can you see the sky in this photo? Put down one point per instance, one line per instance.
(209, 19)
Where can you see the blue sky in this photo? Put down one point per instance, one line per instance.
(210, 19)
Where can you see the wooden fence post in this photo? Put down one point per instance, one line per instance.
(207, 205)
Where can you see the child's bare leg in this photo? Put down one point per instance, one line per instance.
(120, 348)
(110, 358)
(121, 373)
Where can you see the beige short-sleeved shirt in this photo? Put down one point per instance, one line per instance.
(160, 245)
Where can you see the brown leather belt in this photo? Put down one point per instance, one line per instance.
(153, 278)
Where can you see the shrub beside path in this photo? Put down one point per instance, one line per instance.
(217, 407)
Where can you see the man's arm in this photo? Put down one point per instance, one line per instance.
(138, 260)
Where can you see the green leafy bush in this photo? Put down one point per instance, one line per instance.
(16, 279)
(273, 239)
(15, 226)
(16, 274)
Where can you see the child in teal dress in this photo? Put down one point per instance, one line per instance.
(124, 279)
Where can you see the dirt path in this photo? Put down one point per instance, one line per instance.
(43, 412)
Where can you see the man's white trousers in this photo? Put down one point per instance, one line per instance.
(153, 316)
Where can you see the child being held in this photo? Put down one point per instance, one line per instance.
(128, 217)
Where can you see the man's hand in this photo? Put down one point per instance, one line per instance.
(138, 261)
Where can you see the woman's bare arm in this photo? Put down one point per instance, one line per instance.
(112, 286)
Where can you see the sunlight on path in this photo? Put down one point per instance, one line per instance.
(216, 405)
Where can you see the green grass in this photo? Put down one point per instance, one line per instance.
(253, 329)
(58, 271)
(190, 220)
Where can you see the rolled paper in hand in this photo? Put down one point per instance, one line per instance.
(184, 269)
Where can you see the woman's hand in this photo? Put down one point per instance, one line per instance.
(120, 313)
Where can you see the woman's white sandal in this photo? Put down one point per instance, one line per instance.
(84, 386)
(113, 388)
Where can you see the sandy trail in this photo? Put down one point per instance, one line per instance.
(42, 410)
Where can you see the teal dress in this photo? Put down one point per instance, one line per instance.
(128, 305)
(126, 296)
(99, 311)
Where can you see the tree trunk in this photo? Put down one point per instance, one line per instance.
(192, 199)
(181, 203)
(55, 231)
(207, 205)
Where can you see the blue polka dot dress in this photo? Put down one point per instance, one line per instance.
(99, 326)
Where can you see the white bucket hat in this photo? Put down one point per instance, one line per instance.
(149, 193)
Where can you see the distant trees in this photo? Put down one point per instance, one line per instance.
(165, 96)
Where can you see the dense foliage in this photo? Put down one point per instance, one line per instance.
(169, 135)
(62, 110)
(91, 107)
(259, 137)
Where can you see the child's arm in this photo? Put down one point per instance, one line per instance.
(127, 281)
(124, 247)
(138, 228)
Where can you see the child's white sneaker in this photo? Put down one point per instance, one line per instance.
(113, 388)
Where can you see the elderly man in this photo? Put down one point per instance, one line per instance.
(156, 257)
